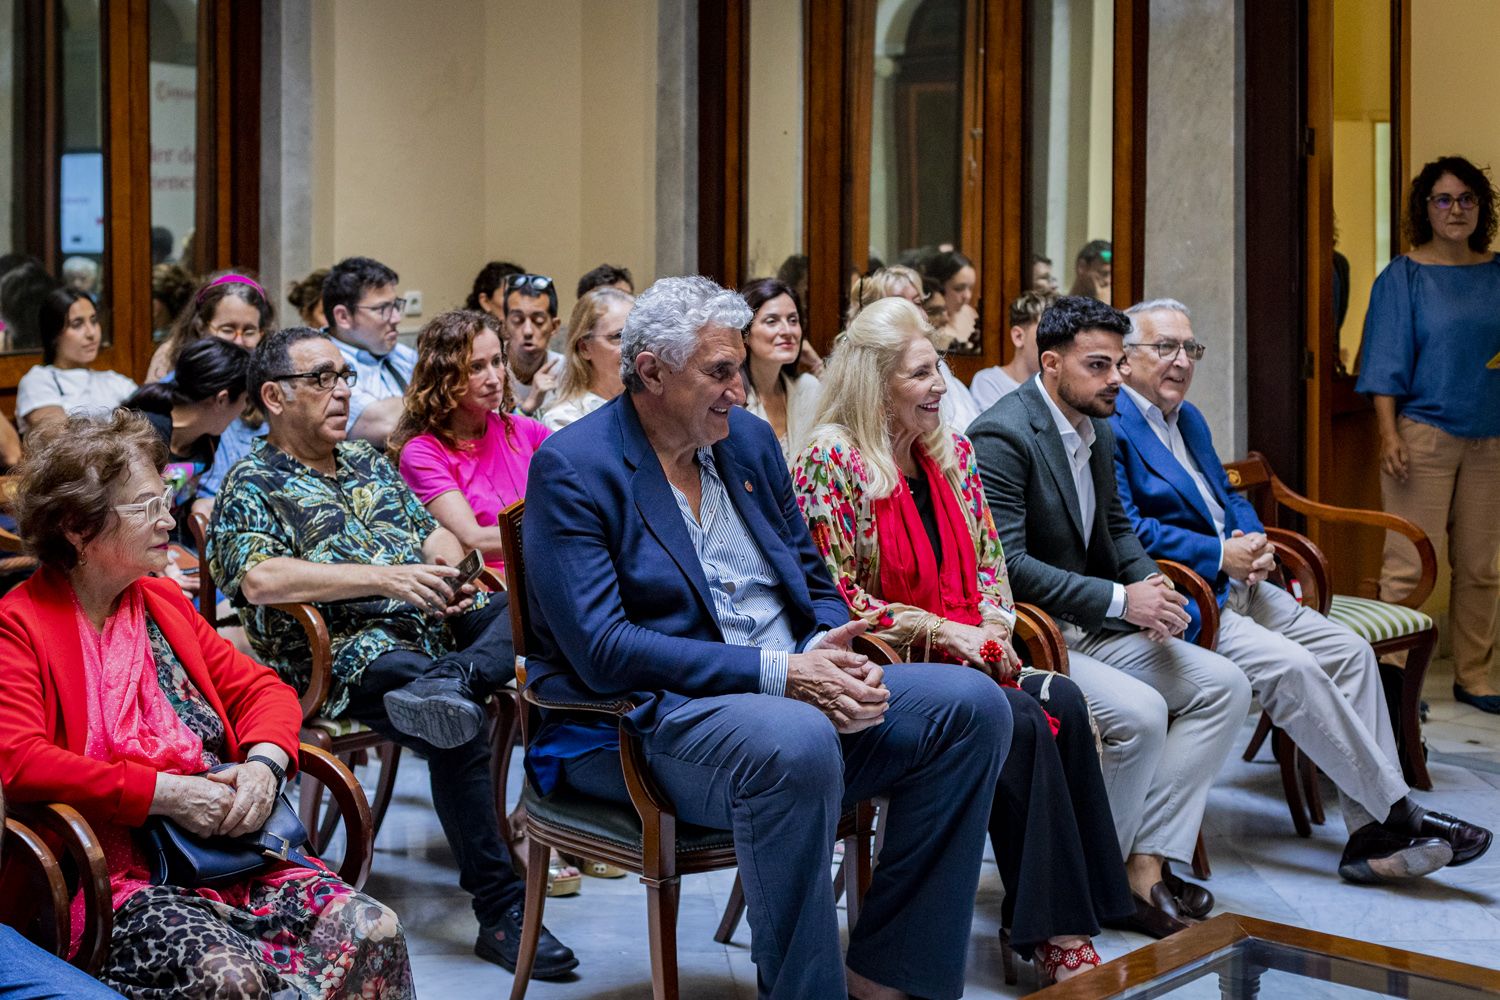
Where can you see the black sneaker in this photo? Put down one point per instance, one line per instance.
(437, 710)
(501, 944)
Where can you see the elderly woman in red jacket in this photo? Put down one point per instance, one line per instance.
(119, 698)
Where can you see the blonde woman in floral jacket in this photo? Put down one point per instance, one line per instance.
(895, 504)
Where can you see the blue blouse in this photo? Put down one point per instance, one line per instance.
(1430, 332)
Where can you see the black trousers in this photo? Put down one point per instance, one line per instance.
(1050, 825)
(463, 794)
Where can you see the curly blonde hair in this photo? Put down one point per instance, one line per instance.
(441, 377)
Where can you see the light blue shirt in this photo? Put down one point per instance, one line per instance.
(380, 376)
(747, 605)
(234, 444)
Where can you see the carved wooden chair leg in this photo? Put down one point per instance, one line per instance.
(1311, 793)
(736, 910)
(531, 921)
(1286, 755)
(1262, 730)
(1413, 762)
(661, 913)
(310, 810)
(389, 755)
(1201, 866)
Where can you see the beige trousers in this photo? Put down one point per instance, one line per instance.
(1452, 492)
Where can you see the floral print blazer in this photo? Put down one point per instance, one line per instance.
(831, 484)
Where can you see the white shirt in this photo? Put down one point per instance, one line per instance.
(1078, 444)
(559, 415)
(991, 385)
(76, 390)
(1169, 434)
(802, 395)
(957, 407)
(381, 376)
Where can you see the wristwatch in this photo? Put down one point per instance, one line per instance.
(277, 770)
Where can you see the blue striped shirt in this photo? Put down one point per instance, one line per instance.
(747, 606)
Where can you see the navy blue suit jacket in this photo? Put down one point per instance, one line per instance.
(619, 602)
(1164, 504)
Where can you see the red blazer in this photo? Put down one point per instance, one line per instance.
(44, 720)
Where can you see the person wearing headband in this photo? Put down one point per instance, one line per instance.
(230, 305)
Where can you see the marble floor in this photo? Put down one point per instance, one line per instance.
(1260, 868)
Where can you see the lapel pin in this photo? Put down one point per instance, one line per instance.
(749, 486)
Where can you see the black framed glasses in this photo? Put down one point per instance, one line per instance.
(528, 284)
(324, 379)
(395, 307)
(1167, 349)
(1468, 201)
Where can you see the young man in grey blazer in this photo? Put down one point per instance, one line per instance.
(1046, 456)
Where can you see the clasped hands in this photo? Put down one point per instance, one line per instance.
(977, 646)
(1248, 558)
(228, 803)
(840, 683)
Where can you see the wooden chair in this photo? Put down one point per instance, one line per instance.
(645, 837)
(86, 853)
(1388, 627)
(39, 909)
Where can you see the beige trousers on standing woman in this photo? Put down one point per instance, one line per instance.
(1452, 492)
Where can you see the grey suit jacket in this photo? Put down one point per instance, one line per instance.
(1029, 484)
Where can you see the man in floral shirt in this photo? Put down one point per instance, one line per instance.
(311, 517)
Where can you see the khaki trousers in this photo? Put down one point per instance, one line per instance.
(1452, 492)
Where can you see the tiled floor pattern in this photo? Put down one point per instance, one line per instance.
(1259, 868)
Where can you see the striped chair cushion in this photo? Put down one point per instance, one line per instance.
(1376, 621)
(339, 727)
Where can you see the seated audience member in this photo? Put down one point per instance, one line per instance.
(231, 307)
(64, 384)
(1043, 281)
(773, 343)
(191, 411)
(81, 273)
(952, 275)
(530, 318)
(591, 359)
(958, 406)
(1318, 680)
(756, 717)
(120, 699)
(607, 275)
(485, 295)
(360, 301)
(1046, 458)
(896, 508)
(458, 446)
(1001, 380)
(24, 283)
(306, 296)
(1093, 271)
(172, 288)
(411, 658)
(793, 273)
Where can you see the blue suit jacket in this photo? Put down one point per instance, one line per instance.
(1161, 500)
(619, 602)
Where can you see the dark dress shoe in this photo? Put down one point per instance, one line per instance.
(437, 710)
(1193, 900)
(1484, 702)
(1158, 918)
(1467, 840)
(1378, 854)
(501, 944)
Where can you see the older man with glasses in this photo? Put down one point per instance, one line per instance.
(1317, 680)
(311, 517)
(363, 310)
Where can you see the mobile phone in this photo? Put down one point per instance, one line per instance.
(468, 571)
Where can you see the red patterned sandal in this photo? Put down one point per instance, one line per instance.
(1049, 958)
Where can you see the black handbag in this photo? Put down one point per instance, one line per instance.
(177, 857)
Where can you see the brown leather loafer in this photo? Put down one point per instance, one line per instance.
(1158, 918)
(1192, 899)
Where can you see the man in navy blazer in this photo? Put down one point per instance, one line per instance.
(668, 562)
(1317, 679)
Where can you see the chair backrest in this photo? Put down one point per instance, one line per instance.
(208, 593)
(1253, 477)
(515, 575)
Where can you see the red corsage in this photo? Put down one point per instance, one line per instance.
(992, 651)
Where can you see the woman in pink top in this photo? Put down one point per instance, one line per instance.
(464, 461)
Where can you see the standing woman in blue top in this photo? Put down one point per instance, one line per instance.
(1431, 361)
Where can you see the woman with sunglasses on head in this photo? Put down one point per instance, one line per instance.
(66, 383)
(231, 306)
(958, 408)
(1431, 362)
(773, 346)
(591, 372)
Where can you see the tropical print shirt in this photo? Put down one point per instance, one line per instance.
(833, 491)
(272, 505)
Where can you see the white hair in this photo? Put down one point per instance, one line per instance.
(1151, 306)
(669, 317)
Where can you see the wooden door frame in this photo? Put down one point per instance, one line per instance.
(227, 188)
